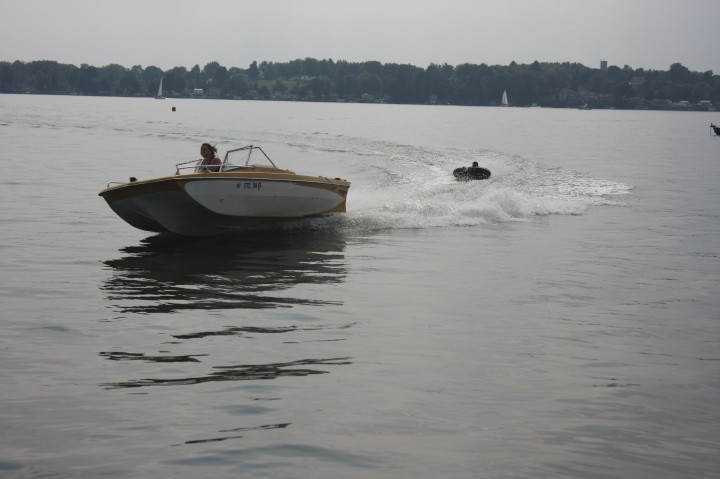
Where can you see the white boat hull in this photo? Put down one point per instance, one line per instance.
(211, 203)
(261, 198)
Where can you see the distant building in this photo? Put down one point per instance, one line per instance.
(603, 65)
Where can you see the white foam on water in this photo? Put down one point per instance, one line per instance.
(411, 187)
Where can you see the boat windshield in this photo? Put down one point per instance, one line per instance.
(193, 166)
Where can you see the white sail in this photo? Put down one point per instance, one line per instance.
(160, 95)
(504, 98)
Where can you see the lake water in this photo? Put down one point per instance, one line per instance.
(559, 320)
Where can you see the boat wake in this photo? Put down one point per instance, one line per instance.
(404, 186)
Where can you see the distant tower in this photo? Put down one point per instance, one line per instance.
(603, 65)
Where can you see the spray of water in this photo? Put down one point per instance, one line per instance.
(411, 187)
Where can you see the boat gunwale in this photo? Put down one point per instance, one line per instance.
(181, 180)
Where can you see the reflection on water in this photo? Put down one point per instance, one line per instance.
(264, 269)
(239, 429)
(123, 356)
(245, 372)
(242, 330)
(165, 274)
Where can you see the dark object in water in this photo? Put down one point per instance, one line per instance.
(716, 129)
(472, 173)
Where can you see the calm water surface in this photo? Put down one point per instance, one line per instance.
(560, 320)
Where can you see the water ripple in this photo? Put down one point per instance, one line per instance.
(238, 373)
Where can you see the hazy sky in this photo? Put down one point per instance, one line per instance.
(650, 34)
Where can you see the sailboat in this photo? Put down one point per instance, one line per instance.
(504, 99)
(160, 95)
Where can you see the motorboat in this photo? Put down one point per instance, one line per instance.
(471, 173)
(198, 202)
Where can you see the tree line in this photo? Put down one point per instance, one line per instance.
(543, 84)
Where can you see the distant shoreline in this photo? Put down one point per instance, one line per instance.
(682, 107)
(553, 85)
